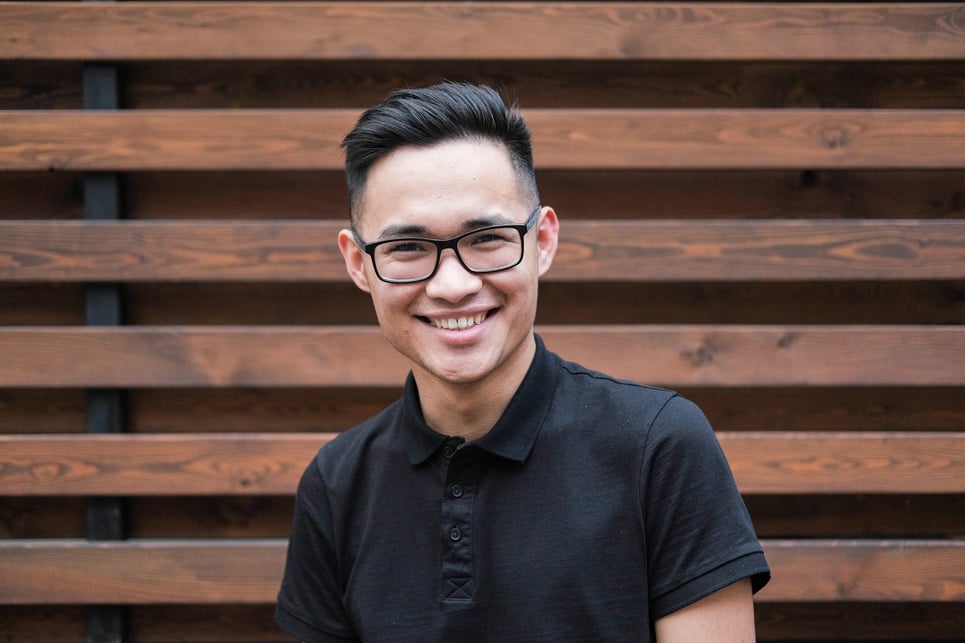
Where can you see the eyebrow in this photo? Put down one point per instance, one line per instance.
(411, 230)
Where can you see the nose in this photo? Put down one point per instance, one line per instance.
(452, 282)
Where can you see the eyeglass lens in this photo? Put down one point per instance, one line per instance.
(486, 250)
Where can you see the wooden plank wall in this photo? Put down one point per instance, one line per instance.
(762, 207)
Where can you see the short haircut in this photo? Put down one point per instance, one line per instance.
(427, 116)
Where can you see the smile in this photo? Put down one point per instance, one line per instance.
(458, 323)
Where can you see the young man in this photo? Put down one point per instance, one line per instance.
(509, 495)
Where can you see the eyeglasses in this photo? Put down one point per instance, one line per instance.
(410, 259)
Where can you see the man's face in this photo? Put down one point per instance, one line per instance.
(438, 192)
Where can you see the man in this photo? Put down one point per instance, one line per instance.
(509, 495)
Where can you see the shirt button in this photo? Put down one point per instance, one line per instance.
(456, 491)
(448, 451)
(455, 534)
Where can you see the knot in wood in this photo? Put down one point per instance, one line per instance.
(701, 356)
(835, 137)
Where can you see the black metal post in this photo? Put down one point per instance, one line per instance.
(103, 199)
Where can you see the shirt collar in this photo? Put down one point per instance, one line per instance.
(514, 433)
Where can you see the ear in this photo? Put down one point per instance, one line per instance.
(547, 239)
(354, 259)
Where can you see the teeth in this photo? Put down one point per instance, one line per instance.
(456, 323)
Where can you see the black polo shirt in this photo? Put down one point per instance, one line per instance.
(591, 509)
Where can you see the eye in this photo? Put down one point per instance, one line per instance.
(405, 246)
(494, 236)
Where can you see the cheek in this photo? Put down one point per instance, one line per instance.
(391, 299)
(520, 288)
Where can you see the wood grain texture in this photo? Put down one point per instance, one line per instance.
(249, 571)
(160, 465)
(846, 462)
(599, 250)
(440, 30)
(176, 572)
(134, 357)
(746, 250)
(565, 138)
(861, 570)
(272, 463)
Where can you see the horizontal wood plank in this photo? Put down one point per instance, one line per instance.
(272, 463)
(846, 462)
(616, 250)
(249, 571)
(446, 30)
(292, 139)
(152, 356)
(158, 465)
(140, 572)
(864, 570)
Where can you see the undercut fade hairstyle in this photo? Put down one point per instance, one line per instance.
(427, 116)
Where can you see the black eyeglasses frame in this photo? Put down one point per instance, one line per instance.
(442, 244)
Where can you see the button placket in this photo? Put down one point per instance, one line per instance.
(457, 507)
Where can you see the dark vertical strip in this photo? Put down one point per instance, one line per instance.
(104, 306)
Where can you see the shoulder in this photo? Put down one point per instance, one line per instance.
(593, 390)
(352, 448)
(657, 416)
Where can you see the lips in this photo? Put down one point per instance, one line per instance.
(457, 323)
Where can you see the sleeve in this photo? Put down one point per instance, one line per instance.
(699, 534)
(310, 605)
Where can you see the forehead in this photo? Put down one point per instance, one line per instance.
(443, 187)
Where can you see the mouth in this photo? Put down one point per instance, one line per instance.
(457, 323)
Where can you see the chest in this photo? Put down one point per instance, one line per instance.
(470, 535)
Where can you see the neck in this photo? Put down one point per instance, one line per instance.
(470, 410)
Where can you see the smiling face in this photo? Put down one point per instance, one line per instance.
(456, 327)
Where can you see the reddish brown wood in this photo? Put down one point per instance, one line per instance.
(746, 139)
(846, 462)
(134, 357)
(440, 30)
(609, 250)
(212, 571)
(170, 251)
(841, 570)
(562, 138)
(151, 140)
(747, 250)
(198, 356)
(695, 153)
(272, 463)
(166, 464)
(683, 355)
(145, 572)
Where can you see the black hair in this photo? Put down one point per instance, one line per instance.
(423, 117)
